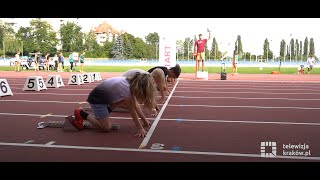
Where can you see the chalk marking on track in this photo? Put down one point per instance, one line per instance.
(155, 122)
(46, 115)
(50, 143)
(30, 141)
(157, 151)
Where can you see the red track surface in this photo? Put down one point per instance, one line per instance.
(203, 121)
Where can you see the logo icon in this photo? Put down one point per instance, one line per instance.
(268, 149)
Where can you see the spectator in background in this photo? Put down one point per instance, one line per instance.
(62, 62)
(311, 62)
(36, 60)
(17, 62)
(82, 61)
(235, 58)
(56, 62)
(71, 62)
(59, 69)
(199, 50)
(47, 61)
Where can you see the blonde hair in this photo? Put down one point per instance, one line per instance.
(159, 77)
(142, 87)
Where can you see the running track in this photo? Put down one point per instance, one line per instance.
(212, 121)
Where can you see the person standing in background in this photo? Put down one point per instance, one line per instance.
(47, 61)
(17, 62)
(71, 62)
(82, 61)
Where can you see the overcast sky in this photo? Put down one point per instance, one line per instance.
(253, 31)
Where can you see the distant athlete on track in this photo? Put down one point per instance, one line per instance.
(118, 92)
(170, 74)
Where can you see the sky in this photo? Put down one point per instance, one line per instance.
(253, 31)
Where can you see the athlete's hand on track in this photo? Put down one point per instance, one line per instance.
(141, 133)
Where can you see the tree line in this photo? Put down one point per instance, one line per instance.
(40, 36)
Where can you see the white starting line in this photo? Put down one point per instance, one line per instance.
(51, 145)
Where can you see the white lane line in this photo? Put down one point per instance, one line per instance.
(243, 121)
(241, 88)
(60, 89)
(50, 143)
(56, 94)
(159, 151)
(253, 81)
(312, 86)
(186, 120)
(59, 102)
(31, 101)
(255, 107)
(241, 92)
(230, 97)
(33, 115)
(155, 122)
(28, 142)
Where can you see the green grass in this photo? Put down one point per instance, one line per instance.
(185, 69)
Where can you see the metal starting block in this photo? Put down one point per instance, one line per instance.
(66, 126)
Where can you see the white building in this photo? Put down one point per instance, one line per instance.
(105, 32)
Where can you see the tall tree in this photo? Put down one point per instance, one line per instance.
(117, 49)
(5, 30)
(188, 47)
(127, 46)
(267, 53)
(152, 38)
(179, 49)
(282, 49)
(71, 37)
(311, 49)
(297, 50)
(26, 36)
(44, 37)
(214, 49)
(291, 49)
(300, 52)
(238, 45)
(89, 41)
(305, 48)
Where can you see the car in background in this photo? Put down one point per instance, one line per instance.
(22, 59)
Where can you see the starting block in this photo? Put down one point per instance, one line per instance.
(88, 77)
(5, 90)
(66, 126)
(75, 79)
(97, 76)
(34, 83)
(54, 81)
(202, 75)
